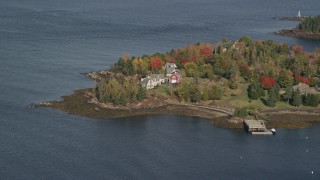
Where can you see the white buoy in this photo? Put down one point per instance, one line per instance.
(312, 172)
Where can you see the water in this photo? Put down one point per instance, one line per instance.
(45, 45)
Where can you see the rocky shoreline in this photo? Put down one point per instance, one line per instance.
(83, 103)
(298, 33)
(290, 18)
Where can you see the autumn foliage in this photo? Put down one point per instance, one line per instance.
(267, 82)
(302, 79)
(170, 59)
(206, 51)
(297, 49)
(156, 63)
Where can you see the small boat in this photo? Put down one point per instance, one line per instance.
(273, 130)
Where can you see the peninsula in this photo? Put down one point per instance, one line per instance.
(308, 28)
(224, 82)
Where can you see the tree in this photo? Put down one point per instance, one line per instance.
(273, 95)
(241, 112)
(123, 99)
(255, 90)
(195, 95)
(310, 24)
(206, 71)
(311, 100)
(271, 102)
(216, 93)
(267, 82)
(288, 94)
(141, 93)
(140, 66)
(206, 51)
(156, 63)
(301, 79)
(233, 82)
(285, 78)
(296, 98)
(191, 69)
(183, 90)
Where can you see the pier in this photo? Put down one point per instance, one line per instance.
(256, 127)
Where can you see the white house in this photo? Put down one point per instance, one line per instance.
(152, 81)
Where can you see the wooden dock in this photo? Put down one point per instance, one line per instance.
(256, 127)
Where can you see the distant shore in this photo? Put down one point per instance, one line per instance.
(83, 103)
(289, 18)
(298, 33)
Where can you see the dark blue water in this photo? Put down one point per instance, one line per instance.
(45, 45)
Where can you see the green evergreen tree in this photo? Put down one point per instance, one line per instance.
(288, 94)
(123, 99)
(285, 80)
(216, 93)
(255, 91)
(141, 93)
(271, 101)
(311, 100)
(296, 98)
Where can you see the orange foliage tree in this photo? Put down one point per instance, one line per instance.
(156, 62)
(267, 82)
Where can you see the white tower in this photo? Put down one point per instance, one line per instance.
(299, 14)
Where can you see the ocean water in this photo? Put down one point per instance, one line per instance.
(45, 45)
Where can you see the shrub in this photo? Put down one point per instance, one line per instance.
(241, 112)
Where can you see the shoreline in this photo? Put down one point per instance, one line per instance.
(82, 103)
(290, 18)
(299, 34)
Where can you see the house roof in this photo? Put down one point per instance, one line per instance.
(176, 74)
(145, 81)
(170, 70)
(170, 65)
(157, 76)
(304, 89)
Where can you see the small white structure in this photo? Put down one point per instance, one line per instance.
(152, 81)
(299, 14)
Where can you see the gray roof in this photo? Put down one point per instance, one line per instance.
(153, 76)
(144, 82)
(304, 89)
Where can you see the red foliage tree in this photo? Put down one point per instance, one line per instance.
(170, 59)
(297, 49)
(302, 79)
(267, 82)
(206, 51)
(184, 61)
(156, 63)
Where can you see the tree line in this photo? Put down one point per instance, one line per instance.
(310, 24)
(262, 63)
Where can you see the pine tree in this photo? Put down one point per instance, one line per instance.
(296, 98)
(123, 99)
(288, 94)
(311, 100)
(141, 93)
(271, 101)
(255, 90)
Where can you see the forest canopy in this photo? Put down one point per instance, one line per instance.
(310, 24)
